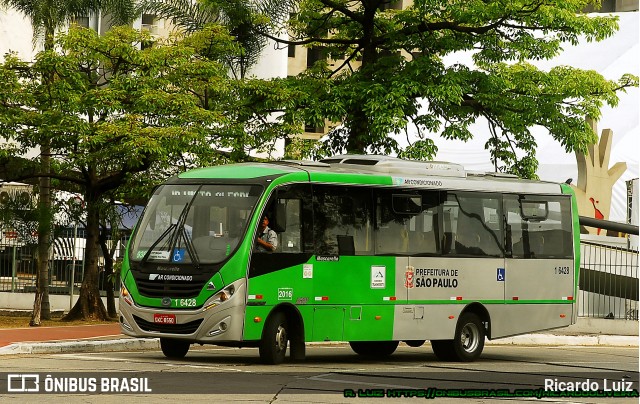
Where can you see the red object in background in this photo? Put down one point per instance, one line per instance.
(598, 214)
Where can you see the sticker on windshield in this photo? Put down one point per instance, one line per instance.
(178, 254)
(159, 255)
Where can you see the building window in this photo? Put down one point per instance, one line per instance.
(313, 129)
(315, 54)
(81, 21)
(391, 5)
(149, 23)
(147, 19)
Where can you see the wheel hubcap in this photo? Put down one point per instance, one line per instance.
(281, 338)
(469, 337)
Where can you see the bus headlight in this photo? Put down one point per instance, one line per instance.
(126, 296)
(221, 297)
(226, 293)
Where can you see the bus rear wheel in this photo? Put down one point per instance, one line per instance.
(416, 343)
(468, 341)
(174, 348)
(275, 338)
(374, 348)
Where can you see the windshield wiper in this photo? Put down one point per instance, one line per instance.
(165, 233)
(190, 248)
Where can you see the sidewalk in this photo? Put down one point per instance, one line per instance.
(66, 339)
(107, 337)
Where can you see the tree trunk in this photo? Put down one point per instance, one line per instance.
(36, 314)
(89, 304)
(108, 271)
(358, 122)
(358, 133)
(41, 307)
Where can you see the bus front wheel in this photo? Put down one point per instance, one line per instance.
(468, 341)
(374, 348)
(273, 345)
(174, 348)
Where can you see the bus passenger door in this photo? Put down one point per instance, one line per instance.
(284, 276)
(539, 277)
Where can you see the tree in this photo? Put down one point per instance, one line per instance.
(47, 17)
(253, 124)
(387, 69)
(242, 18)
(117, 118)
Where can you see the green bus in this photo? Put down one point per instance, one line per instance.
(371, 250)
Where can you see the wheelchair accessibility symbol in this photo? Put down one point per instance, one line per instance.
(178, 254)
(500, 275)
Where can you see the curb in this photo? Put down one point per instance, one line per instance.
(125, 344)
(568, 340)
(140, 344)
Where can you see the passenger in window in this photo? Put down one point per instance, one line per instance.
(267, 239)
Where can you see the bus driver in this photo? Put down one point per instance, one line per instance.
(267, 239)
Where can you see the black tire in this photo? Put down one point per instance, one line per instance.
(415, 343)
(374, 348)
(468, 341)
(443, 349)
(275, 338)
(174, 348)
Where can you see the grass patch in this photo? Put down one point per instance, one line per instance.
(12, 321)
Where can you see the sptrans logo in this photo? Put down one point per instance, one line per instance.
(409, 277)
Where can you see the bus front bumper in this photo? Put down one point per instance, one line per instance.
(222, 323)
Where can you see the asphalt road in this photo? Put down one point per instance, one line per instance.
(330, 374)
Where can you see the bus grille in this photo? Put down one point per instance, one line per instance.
(186, 328)
(169, 289)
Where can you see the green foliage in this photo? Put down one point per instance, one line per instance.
(390, 70)
(117, 117)
(252, 123)
(242, 18)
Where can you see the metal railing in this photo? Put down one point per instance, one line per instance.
(18, 269)
(608, 282)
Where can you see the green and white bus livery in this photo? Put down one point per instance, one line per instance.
(372, 250)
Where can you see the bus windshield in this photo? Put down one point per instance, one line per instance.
(193, 224)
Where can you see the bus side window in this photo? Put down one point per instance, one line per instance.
(342, 220)
(545, 235)
(294, 214)
(514, 226)
(423, 229)
(290, 238)
(475, 223)
(558, 242)
(392, 229)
